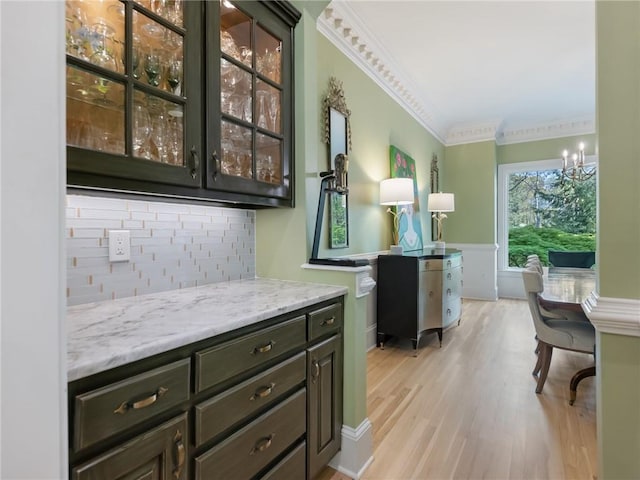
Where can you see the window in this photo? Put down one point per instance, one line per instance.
(538, 211)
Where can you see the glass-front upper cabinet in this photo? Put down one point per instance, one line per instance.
(132, 90)
(249, 124)
(154, 86)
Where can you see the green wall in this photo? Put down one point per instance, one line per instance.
(545, 149)
(284, 236)
(470, 173)
(618, 120)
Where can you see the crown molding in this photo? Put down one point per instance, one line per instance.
(561, 128)
(343, 28)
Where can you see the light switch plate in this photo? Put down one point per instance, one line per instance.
(119, 246)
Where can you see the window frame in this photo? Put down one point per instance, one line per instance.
(504, 171)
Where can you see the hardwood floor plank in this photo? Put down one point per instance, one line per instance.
(469, 410)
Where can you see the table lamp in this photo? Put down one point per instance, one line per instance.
(396, 192)
(438, 203)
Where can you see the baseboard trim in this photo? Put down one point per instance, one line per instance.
(613, 315)
(356, 453)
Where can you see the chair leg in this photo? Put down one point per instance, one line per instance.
(536, 369)
(546, 352)
(581, 374)
(537, 350)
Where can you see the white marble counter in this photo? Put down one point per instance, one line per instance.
(104, 335)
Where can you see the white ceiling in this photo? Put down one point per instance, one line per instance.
(476, 70)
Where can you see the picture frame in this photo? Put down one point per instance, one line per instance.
(435, 186)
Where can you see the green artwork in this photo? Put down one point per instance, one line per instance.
(410, 227)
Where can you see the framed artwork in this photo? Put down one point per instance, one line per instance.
(410, 226)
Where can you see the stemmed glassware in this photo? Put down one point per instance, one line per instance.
(102, 56)
(174, 75)
(141, 130)
(77, 33)
(274, 107)
(152, 67)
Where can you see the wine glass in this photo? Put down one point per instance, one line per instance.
(77, 32)
(262, 108)
(141, 129)
(152, 67)
(274, 108)
(159, 134)
(174, 75)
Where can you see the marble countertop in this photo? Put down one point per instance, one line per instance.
(105, 335)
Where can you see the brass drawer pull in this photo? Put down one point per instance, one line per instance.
(262, 444)
(179, 455)
(264, 349)
(328, 321)
(145, 402)
(263, 392)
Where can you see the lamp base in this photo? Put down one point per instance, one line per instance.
(439, 245)
(395, 250)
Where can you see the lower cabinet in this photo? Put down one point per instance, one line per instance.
(159, 454)
(181, 415)
(324, 423)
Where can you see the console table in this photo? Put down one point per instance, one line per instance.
(418, 292)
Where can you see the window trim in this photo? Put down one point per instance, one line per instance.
(506, 169)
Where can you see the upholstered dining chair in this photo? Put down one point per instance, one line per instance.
(572, 259)
(556, 331)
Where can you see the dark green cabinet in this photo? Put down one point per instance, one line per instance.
(159, 454)
(261, 401)
(182, 99)
(324, 421)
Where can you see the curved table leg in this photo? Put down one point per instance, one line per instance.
(580, 375)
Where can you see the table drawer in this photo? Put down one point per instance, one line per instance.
(325, 320)
(252, 448)
(231, 358)
(291, 467)
(217, 414)
(102, 412)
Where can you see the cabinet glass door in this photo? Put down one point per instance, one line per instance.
(250, 154)
(127, 108)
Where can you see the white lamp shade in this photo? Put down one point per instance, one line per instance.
(441, 202)
(396, 191)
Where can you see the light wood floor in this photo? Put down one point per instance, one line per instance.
(469, 410)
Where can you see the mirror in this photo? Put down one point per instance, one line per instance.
(435, 187)
(337, 135)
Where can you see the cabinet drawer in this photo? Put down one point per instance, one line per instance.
(451, 310)
(290, 467)
(162, 449)
(224, 361)
(223, 411)
(102, 412)
(252, 448)
(326, 320)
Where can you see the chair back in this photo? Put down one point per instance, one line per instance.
(534, 286)
(572, 259)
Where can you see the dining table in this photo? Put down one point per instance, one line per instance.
(568, 285)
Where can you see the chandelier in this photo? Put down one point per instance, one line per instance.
(575, 169)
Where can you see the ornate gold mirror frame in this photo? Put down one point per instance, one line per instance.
(337, 135)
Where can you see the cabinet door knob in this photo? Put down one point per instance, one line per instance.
(216, 164)
(195, 162)
(316, 371)
(179, 455)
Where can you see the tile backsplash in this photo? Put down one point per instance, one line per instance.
(173, 246)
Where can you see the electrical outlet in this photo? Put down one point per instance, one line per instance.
(119, 246)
